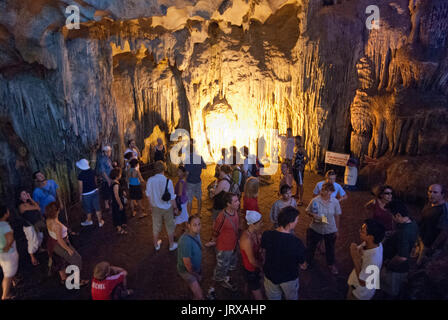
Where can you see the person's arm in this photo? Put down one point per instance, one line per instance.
(247, 247)
(342, 194)
(80, 190)
(116, 270)
(337, 219)
(9, 241)
(106, 178)
(140, 177)
(117, 196)
(60, 240)
(316, 190)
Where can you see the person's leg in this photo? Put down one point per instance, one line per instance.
(169, 225)
(196, 290)
(330, 240)
(233, 260)
(198, 194)
(312, 240)
(223, 260)
(97, 208)
(350, 295)
(156, 224)
(6, 287)
(273, 291)
(290, 289)
(33, 243)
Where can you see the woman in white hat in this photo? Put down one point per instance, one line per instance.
(88, 193)
(251, 253)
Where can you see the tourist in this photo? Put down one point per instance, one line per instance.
(287, 146)
(46, 191)
(250, 198)
(251, 253)
(194, 168)
(109, 282)
(367, 255)
(223, 186)
(59, 244)
(286, 177)
(9, 258)
(298, 168)
(159, 151)
(132, 147)
(135, 180)
(377, 210)
(88, 193)
(350, 175)
(104, 169)
(284, 252)
(286, 200)
(181, 197)
(162, 201)
(433, 223)
(189, 256)
(33, 224)
(118, 209)
(397, 249)
(330, 176)
(226, 235)
(325, 211)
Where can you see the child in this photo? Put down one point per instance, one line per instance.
(250, 200)
(135, 189)
(350, 175)
(109, 282)
(181, 197)
(287, 177)
(285, 201)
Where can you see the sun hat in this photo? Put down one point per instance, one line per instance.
(83, 164)
(252, 217)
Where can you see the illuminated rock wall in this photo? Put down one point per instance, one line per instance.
(247, 66)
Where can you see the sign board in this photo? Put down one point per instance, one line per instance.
(339, 159)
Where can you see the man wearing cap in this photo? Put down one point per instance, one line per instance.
(88, 193)
(251, 254)
(104, 168)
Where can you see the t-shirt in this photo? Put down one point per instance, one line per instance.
(194, 169)
(383, 216)
(289, 152)
(250, 204)
(189, 247)
(329, 210)
(102, 290)
(105, 165)
(350, 175)
(45, 195)
(4, 229)
(278, 206)
(338, 190)
(284, 253)
(433, 220)
(88, 180)
(369, 257)
(401, 244)
(227, 227)
(155, 188)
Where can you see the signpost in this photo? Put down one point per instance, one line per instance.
(338, 159)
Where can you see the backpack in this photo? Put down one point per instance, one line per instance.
(237, 187)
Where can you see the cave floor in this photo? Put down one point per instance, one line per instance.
(153, 276)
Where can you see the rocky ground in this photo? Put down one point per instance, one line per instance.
(153, 275)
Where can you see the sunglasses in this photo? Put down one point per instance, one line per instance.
(387, 193)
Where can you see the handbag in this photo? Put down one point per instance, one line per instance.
(166, 195)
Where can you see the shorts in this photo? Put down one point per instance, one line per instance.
(158, 216)
(106, 192)
(91, 202)
(188, 277)
(135, 192)
(9, 262)
(253, 279)
(194, 190)
(298, 176)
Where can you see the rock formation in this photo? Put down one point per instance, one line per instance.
(204, 65)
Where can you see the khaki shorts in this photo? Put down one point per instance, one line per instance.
(161, 214)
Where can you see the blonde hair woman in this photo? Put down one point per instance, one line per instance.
(250, 199)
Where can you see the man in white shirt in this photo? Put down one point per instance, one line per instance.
(288, 143)
(338, 193)
(160, 209)
(367, 259)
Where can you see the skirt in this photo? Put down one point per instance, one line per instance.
(183, 217)
(135, 192)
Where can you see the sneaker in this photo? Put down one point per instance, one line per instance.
(333, 269)
(101, 223)
(157, 247)
(228, 285)
(87, 223)
(174, 247)
(211, 295)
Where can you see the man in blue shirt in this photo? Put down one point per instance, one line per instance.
(104, 169)
(194, 164)
(338, 193)
(46, 191)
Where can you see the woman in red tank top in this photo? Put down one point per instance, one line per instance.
(250, 199)
(251, 253)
